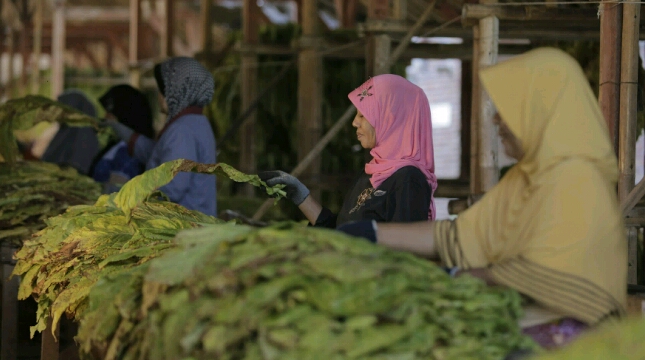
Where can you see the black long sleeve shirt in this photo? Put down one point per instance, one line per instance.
(403, 197)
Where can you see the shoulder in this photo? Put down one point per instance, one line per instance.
(191, 124)
(408, 174)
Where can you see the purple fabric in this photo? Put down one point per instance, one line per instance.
(556, 334)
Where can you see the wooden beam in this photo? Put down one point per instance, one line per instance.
(472, 13)
(611, 18)
(50, 347)
(94, 14)
(378, 9)
(400, 10)
(249, 89)
(310, 90)
(425, 51)
(37, 46)
(58, 49)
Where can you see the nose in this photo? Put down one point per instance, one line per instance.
(355, 123)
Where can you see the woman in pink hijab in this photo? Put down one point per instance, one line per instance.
(393, 120)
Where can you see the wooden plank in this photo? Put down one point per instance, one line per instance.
(610, 50)
(37, 45)
(488, 141)
(9, 341)
(249, 88)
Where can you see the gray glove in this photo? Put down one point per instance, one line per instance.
(123, 132)
(296, 191)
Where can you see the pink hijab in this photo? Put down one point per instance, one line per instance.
(400, 114)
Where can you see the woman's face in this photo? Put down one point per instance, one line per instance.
(162, 103)
(364, 131)
(512, 145)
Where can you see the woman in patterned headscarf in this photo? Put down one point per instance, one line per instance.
(185, 87)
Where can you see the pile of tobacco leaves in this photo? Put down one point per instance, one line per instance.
(31, 192)
(293, 292)
(62, 262)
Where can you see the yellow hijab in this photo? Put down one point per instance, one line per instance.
(551, 228)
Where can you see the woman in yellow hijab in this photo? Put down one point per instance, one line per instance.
(551, 228)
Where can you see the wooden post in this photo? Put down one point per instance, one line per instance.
(25, 19)
(400, 10)
(627, 120)
(37, 47)
(133, 44)
(466, 104)
(58, 49)
(377, 54)
(378, 46)
(167, 40)
(611, 18)
(11, 71)
(9, 341)
(50, 346)
(310, 92)
(207, 31)
(249, 90)
(484, 169)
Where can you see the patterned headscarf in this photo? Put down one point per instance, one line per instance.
(184, 82)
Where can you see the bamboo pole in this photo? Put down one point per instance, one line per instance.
(611, 18)
(627, 120)
(37, 46)
(207, 32)
(58, 48)
(11, 72)
(475, 171)
(342, 121)
(133, 43)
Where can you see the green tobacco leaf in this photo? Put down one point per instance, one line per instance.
(135, 191)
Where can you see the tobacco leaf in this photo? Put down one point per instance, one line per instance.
(141, 187)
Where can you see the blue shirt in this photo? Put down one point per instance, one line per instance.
(189, 137)
(117, 161)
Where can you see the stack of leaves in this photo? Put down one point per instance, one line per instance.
(293, 292)
(616, 340)
(25, 113)
(61, 264)
(31, 192)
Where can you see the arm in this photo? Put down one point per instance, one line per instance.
(416, 238)
(140, 147)
(311, 209)
(412, 199)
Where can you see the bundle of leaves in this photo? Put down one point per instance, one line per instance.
(616, 340)
(61, 264)
(27, 112)
(294, 292)
(31, 192)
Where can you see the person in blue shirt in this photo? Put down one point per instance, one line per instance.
(185, 88)
(131, 108)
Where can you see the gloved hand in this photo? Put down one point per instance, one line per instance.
(364, 228)
(296, 191)
(122, 132)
